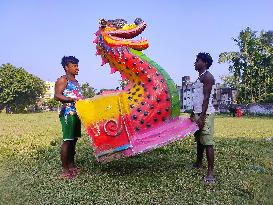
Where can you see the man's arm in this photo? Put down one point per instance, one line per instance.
(208, 82)
(59, 89)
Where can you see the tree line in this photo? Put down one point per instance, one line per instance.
(251, 68)
(251, 73)
(20, 90)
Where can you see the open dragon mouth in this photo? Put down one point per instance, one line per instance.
(117, 33)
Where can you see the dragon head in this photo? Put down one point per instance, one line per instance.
(117, 33)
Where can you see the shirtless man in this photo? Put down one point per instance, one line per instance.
(68, 91)
(203, 114)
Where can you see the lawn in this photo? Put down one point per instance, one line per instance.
(30, 167)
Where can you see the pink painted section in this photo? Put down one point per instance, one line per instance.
(166, 133)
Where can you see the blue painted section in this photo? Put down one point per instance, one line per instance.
(118, 149)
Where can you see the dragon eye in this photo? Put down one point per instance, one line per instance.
(119, 23)
(138, 21)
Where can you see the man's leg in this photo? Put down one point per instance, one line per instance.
(210, 178)
(210, 158)
(199, 155)
(77, 133)
(65, 155)
(67, 147)
(73, 168)
(73, 152)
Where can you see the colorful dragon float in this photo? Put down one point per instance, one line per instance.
(143, 116)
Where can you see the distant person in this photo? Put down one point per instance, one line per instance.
(239, 112)
(8, 110)
(232, 110)
(68, 91)
(203, 114)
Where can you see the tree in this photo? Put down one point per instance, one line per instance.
(230, 81)
(52, 103)
(88, 91)
(18, 88)
(252, 66)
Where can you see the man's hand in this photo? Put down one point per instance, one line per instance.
(78, 98)
(201, 122)
(192, 116)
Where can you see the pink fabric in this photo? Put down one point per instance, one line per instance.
(164, 134)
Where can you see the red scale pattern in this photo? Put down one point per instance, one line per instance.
(155, 106)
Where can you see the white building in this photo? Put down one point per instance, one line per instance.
(223, 96)
(50, 89)
(186, 94)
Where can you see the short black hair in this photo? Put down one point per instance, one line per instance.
(206, 58)
(69, 59)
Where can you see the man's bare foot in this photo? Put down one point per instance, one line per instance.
(197, 166)
(209, 179)
(75, 170)
(67, 174)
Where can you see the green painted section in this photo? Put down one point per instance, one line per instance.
(175, 104)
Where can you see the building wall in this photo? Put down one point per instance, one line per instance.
(50, 89)
(223, 96)
(257, 108)
(227, 98)
(186, 94)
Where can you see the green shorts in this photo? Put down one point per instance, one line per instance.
(71, 127)
(205, 135)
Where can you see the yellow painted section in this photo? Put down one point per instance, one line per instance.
(104, 107)
(110, 41)
(138, 89)
(142, 44)
(129, 26)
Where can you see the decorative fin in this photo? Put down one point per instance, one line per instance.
(123, 77)
(96, 40)
(113, 70)
(103, 61)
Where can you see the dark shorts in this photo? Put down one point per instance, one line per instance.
(205, 135)
(71, 127)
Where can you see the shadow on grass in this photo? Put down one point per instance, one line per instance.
(173, 158)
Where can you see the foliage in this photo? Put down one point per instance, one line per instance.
(18, 88)
(230, 81)
(88, 91)
(268, 98)
(252, 66)
(30, 167)
(52, 103)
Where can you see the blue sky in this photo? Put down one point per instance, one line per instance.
(35, 35)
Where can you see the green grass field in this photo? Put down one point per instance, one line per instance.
(30, 167)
